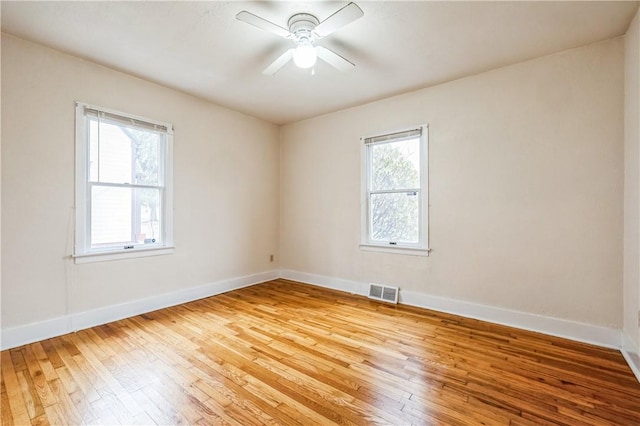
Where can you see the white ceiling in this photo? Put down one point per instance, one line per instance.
(200, 48)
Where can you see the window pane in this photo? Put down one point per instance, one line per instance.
(122, 216)
(147, 203)
(119, 154)
(395, 165)
(147, 147)
(110, 216)
(394, 217)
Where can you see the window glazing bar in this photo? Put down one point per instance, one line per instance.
(125, 185)
(395, 191)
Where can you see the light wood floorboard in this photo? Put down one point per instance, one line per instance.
(285, 353)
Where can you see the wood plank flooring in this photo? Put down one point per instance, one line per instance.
(292, 354)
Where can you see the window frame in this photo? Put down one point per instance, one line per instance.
(421, 248)
(83, 252)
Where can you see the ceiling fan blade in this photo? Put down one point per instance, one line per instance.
(279, 63)
(342, 17)
(333, 59)
(262, 23)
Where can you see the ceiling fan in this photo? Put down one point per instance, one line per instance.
(304, 30)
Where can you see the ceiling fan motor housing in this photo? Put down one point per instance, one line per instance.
(301, 26)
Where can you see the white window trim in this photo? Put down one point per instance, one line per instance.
(422, 247)
(104, 256)
(82, 253)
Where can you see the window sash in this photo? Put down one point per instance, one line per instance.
(162, 152)
(92, 246)
(395, 241)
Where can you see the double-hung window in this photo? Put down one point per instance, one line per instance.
(123, 185)
(395, 197)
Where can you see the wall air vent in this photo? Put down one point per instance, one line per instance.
(383, 292)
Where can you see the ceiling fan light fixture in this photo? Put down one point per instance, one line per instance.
(305, 56)
(304, 30)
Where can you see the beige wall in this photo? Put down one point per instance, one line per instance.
(226, 188)
(526, 188)
(632, 185)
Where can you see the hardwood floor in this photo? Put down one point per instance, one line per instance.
(288, 353)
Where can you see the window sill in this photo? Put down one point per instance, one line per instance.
(106, 256)
(395, 250)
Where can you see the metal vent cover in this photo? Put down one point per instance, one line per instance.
(384, 293)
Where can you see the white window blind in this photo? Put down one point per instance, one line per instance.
(125, 120)
(396, 137)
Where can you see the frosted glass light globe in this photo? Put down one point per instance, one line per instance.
(304, 56)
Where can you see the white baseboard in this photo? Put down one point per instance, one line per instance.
(587, 333)
(581, 332)
(631, 353)
(22, 335)
(353, 287)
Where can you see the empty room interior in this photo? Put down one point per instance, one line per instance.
(314, 213)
